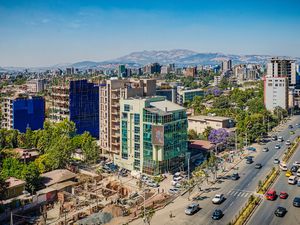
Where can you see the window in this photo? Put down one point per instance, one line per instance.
(136, 130)
(126, 107)
(136, 138)
(136, 119)
(124, 116)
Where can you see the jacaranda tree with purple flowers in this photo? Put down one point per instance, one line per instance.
(218, 136)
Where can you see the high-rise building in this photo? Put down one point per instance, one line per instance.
(190, 71)
(21, 112)
(283, 68)
(36, 85)
(122, 71)
(111, 91)
(152, 68)
(153, 135)
(226, 65)
(275, 92)
(184, 95)
(77, 101)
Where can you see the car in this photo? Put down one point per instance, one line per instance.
(177, 178)
(288, 173)
(151, 183)
(288, 142)
(298, 183)
(219, 198)
(217, 214)
(271, 195)
(276, 161)
(280, 139)
(235, 176)
(144, 178)
(298, 172)
(292, 180)
(296, 163)
(251, 148)
(280, 211)
(191, 209)
(292, 132)
(274, 138)
(277, 146)
(283, 166)
(296, 202)
(294, 169)
(249, 160)
(173, 191)
(265, 149)
(283, 195)
(291, 127)
(258, 166)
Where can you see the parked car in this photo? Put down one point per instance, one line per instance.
(277, 146)
(294, 169)
(258, 166)
(198, 162)
(274, 138)
(296, 163)
(292, 180)
(292, 132)
(296, 202)
(280, 139)
(251, 148)
(288, 173)
(271, 195)
(298, 172)
(235, 176)
(288, 142)
(291, 126)
(191, 209)
(219, 198)
(151, 183)
(173, 191)
(276, 161)
(249, 161)
(280, 211)
(177, 178)
(283, 195)
(265, 149)
(217, 214)
(298, 183)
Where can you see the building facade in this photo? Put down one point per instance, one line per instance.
(111, 91)
(153, 135)
(77, 101)
(276, 92)
(23, 112)
(185, 96)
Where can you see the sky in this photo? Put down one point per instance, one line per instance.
(49, 32)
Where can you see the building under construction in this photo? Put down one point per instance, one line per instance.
(77, 101)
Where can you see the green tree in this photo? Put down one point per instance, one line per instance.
(11, 167)
(192, 134)
(89, 147)
(206, 132)
(3, 188)
(31, 175)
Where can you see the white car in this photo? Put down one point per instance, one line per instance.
(177, 178)
(292, 180)
(283, 166)
(298, 172)
(296, 163)
(173, 191)
(219, 198)
(288, 142)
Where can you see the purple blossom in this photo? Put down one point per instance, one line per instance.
(214, 91)
(218, 136)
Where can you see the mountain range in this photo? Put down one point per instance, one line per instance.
(180, 57)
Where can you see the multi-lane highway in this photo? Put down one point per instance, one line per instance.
(264, 214)
(236, 192)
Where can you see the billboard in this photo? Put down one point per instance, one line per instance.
(158, 135)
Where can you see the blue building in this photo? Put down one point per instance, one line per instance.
(77, 101)
(23, 112)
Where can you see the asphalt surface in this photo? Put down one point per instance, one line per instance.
(264, 214)
(236, 192)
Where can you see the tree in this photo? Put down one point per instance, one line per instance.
(89, 147)
(218, 136)
(11, 167)
(31, 175)
(192, 134)
(207, 131)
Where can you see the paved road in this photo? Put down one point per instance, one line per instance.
(265, 212)
(236, 192)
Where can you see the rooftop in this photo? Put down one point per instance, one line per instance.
(166, 106)
(203, 118)
(14, 182)
(201, 145)
(56, 176)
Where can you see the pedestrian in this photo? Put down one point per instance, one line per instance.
(162, 190)
(158, 190)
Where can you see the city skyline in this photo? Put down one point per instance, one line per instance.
(42, 33)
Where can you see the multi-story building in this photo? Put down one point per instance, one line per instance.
(169, 93)
(122, 71)
(153, 135)
(36, 85)
(184, 96)
(152, 68)
(109, 104)
(283, 68)
(275, 92)
(226, 65)
(190, 71)
(77, 101)
(23, 111)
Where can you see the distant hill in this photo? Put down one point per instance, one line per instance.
(181, 57)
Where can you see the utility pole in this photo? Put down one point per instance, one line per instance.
(189, 169)
(11, 219)
(236, 141)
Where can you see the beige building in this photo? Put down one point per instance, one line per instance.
(110, 93)
(200, 123)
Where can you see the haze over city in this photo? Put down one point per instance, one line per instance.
(40, 33)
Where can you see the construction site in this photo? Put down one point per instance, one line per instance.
(101, 199)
